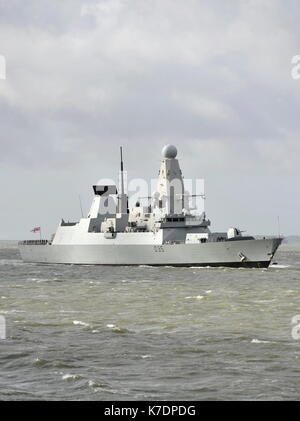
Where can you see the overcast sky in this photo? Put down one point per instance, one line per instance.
(212, 77)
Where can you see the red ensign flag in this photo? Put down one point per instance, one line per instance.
(36, 229)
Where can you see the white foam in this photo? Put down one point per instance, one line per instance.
(146, 266)
(199, 267)
(70, 377)
(117, 329)
(80, 323)
(91, 383)
(279, 266)
(258, 341)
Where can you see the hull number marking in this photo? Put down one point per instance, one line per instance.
(159, 249)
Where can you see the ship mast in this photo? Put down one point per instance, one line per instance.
(122, 197)
(122, 171)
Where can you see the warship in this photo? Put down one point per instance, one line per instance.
(166, 232)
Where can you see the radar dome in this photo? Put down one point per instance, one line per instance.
(169, 151)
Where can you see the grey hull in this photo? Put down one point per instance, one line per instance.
(245, 253)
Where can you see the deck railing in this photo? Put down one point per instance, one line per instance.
(33, 243)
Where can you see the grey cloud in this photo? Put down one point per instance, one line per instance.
(53, 16)
(211, 77)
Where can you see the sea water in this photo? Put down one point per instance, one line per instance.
(149, 333)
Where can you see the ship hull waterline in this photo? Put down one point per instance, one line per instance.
(236, 254)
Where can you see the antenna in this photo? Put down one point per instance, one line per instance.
(122, 169)
(80, 205)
